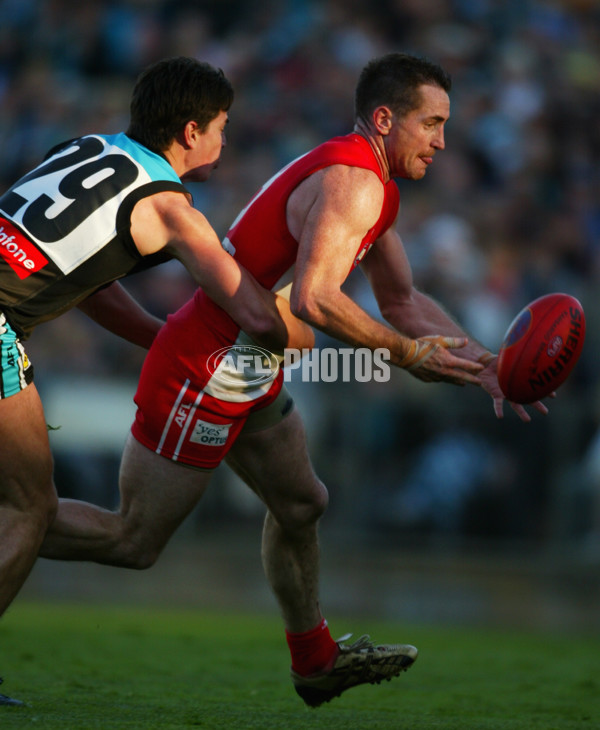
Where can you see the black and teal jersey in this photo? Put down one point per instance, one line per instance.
(65, 226)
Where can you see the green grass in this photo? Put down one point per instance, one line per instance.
(81, 667)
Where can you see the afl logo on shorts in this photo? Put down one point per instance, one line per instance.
(243, 366)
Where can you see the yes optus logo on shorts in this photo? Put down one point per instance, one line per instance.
(18, 252)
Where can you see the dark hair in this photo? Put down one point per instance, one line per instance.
(393, 80)
(173, 92)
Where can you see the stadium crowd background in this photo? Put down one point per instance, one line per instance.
(509, 211)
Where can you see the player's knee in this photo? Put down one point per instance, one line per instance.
(141, 559)
(135, 558)
(305, 511)
(137, 551)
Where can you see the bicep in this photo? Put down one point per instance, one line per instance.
(333, 227)
(210, 265)
(324, 257)
(189, 237)
(186, 234)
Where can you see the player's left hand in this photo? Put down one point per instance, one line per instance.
(431, 359)
(489, 382)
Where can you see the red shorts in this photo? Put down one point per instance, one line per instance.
(179, 415)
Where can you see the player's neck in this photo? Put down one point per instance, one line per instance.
(376, 142)
(173, 157)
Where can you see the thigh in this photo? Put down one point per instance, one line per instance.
(25, 458)
(275, 463)
(157, 494)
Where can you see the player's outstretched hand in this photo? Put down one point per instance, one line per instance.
(489, 382)
(432, 360)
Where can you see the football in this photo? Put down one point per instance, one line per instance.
(541, 347)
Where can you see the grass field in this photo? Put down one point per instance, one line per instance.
(82, 667)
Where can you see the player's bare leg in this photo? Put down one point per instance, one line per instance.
(27, 495)
(275, 464)
(157, 494)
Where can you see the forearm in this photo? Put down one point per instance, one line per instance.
(255, 310)
(420, 315)
(237, 292)
(117, 311)
(340, 317)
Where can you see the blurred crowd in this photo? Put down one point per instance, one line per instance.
(509, 211)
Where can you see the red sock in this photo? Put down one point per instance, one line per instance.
(311, 650)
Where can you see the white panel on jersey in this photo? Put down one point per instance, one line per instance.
(97, 229)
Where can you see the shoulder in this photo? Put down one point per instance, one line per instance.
(352, 176)
(167, 203)
(344, 181)
(339, 194)
(354, 186)
(166, 218)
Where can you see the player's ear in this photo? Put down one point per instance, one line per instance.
(190, 133)
(382, 119)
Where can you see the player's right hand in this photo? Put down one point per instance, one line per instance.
(431, 360)
(489, 383)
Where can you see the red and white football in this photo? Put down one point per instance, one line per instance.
(541, 347)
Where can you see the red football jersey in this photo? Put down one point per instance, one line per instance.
(259, 238)
(185, 411)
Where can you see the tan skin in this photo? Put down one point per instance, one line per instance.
(328, 214)
(28, 499)
(331, 212)
(168, 221)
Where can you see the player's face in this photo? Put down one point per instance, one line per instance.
(414, 139)
(206, 151)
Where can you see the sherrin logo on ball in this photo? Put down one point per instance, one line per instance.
(541, 347)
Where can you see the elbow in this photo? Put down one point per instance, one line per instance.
(396, 309)
(390, 312)
(307, 308)
(263, 326)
